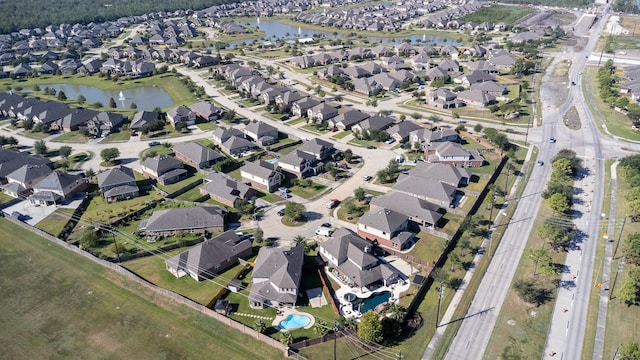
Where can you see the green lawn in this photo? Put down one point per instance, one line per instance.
(498, 13)
(60, 305)
(79, 158)
(295, 121)
(341, 134)
(158, 149)
(191, 195)
(35, 135)
(206, 126)
(72, 136)
(309, 191)
(152, 268)
(4, 198)
(193, 177)
(56, 221)
(99, 210)
(120, 136)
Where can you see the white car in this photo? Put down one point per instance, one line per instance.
(324, 231)
(366, 177)
(389, 141)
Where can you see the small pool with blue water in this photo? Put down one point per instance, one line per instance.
(293, 322)
(372, 301)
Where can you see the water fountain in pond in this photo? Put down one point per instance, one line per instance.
(299, 31)
(121, 96)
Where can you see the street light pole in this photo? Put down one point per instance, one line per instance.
(440, 295)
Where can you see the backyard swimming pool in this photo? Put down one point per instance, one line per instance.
(372, 301)
(293, 322)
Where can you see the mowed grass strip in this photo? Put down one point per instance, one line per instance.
(59, 305)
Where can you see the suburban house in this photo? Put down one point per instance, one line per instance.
(450, 174)
(476, 98)
(201, 220)
(262, 175)
(299, 163)
(352, 259)
(207, 111)
(319, 148)
(57, 187)
(322, 112)
(22, 180)
(401, 130)
(142, 118)
(165, 169)
(347, 120)
(444, 98)
(276, 276)
(490, 87)
(207, 259)
(102, 123)
(181, 114)
(12, 160)
(454, 154)
(366, 86)
(301, 107)
(225, 189)
(232, 141)
(432, 190)
(261, 133)
(426, 137)
(419, 211)
(374, 123)
(118, 183)
(387, 227)
(197, 155)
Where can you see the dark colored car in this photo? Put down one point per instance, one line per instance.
(281, 212)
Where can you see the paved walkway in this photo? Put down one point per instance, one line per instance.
(598, 347)
(457, 297)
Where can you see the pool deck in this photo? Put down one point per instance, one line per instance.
(282, 314)
(346, 308)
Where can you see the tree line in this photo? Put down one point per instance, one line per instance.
(28, 14)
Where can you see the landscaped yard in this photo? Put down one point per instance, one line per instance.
(120, 136)
(56, 221)
(71, 136)
(99, 210)
(153, 269)
(341, 134)
(92, 313)
(308, 192)
(4, 197)
(193, 177)
(191, 195)
(206, 126)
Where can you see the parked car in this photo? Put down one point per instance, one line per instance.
(326, 225)
(366, 177)
(281, 212)
(371, 147)
(154, 143)
(332, 203)
(390, 141)
(283, 189)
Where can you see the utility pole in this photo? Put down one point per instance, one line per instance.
(116, 245)
(335, 338)
(440, 296)
(615, 250)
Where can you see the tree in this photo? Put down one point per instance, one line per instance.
(62, 96)
(259, 326)
(321, 328)
(133, 106)
(439, 275)
(89, 173)
(629, 292)
(629, 351)
(631, 249)
(286, 338)
(294, 211)
(370, 328)
(89, 238)
(109, 154)
(359, 194)
(81, 99)
(477, 128)
(540, 257)
(27, 124)
(65, 151)
(527, 290)
(348, 155)
(559, 204)
(258, 236)
(40, 147)
(112, 103)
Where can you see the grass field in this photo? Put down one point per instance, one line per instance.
(120, 136)
(56, 221)
(59, 305)
(498, 13)
(72, 136)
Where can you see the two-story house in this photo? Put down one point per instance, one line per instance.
(262, 175)
(322, 112)
(225, 190)
(387, 227)
(276, 276)
(165, 169)
(181, 114)
(118, 183)
(197, 155)
(261, 133)
(57, 187)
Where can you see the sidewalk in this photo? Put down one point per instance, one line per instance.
(457, 297)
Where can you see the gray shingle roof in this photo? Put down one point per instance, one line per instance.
(425, 188)
(260, 168)
(386, 220)
(28, 173)
(283, 268)
(202, 259)
(186, 218)
(162, 163)
(115, 176)
(196, 152)
(408, 205)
